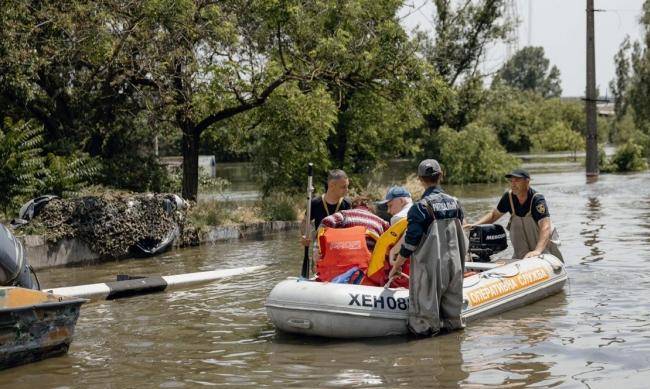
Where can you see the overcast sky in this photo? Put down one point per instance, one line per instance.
(559, 26)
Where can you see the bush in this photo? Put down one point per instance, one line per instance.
(629, 158)
(21, 165)
(65, 176)
(279, 207)
(558, 137)
(472, 155)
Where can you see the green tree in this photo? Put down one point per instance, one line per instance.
(528, 70)
(462, 33)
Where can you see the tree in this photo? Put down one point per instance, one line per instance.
(620, 85)
(462, 33)
(528, 70)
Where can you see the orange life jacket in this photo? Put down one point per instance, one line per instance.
(341, 250)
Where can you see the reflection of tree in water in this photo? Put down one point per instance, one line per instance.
(644, 220)
(591, 230)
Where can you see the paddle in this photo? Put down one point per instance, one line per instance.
(305, 259)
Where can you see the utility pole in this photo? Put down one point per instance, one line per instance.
(590, 100)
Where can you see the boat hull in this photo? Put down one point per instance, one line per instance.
(35, 325)
(355, 311)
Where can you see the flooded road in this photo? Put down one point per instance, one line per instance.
(596, 334)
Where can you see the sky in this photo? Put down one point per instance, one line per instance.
(559, 26)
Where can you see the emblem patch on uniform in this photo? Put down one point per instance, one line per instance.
(541, 208)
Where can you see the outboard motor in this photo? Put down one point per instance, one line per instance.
(485, 240)
(14, 270)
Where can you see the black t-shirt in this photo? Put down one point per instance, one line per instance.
(539, 209)
(318, 212)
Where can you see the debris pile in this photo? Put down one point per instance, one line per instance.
(115, 225)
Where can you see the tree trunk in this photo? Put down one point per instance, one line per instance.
(190, 163)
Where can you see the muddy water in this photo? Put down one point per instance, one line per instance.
(596, 334)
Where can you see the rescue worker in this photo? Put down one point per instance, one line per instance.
(398, 201)
(332, 201)
(531, 230)
(437, 247)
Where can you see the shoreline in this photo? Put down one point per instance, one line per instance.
(44, 255)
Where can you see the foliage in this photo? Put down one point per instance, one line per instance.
(472, 155)
(528, 70)
(279, 207)
(620, 85)
(558, 137)
(292, 133)
(521, 116)
(66, 176)
(21, 165)
(628, 157)
(631, 89)
(462, 33)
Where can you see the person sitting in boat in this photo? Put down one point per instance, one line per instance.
(359, 216)
(437, 246)
(531, 230)
(346, 240)
(398, 201)
(332, 201)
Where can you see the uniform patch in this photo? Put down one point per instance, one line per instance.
(541, 208)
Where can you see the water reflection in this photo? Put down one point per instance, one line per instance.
(591, 230)
(433, 362)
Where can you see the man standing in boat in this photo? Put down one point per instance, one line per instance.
(531, 230)
(332, 201)
(437, 247)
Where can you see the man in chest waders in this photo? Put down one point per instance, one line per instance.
(531, 230)
(435, 242)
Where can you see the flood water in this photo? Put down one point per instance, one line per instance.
(596, 334)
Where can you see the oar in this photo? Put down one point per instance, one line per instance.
(305, 259)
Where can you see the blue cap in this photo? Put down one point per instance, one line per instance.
(395, 192)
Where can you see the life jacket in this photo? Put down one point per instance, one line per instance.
(379, 267)
(341, 249)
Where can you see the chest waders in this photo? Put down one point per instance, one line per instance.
(436, 277)
(524, 233)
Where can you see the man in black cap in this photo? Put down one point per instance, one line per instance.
(435, 242)
(530, 223)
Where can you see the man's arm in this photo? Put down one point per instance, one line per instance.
(488, 218)
(303, 232)
(544, 236)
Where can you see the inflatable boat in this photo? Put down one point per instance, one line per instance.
(306, 306)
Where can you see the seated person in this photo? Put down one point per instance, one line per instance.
(398, 201)
(359, 215)
(346, 239)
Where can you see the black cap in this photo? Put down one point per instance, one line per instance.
(519, 173)
(429, 168)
